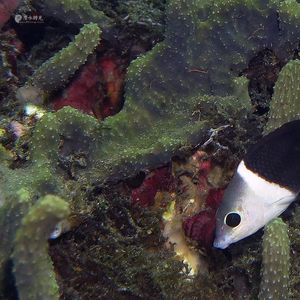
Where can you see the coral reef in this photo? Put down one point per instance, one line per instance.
(74, 11)
(56, 71)
(33, 269)
(286, 97)
(174, 95)
(276, 261)
(18, 211)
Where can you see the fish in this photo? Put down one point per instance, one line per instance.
(265, 183)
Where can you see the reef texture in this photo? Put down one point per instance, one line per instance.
(31, 259)
(276, 261)
(286, 97)
(174, 95)
(74, 11)
(55, 72)
(162, 96)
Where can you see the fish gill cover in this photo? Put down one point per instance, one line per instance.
(175, 93)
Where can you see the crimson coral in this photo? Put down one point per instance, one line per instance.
(201, 226)
(158, 180)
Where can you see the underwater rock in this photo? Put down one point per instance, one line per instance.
(55, 72)
(276, 261)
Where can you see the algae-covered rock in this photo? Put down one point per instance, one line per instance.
(276, 261)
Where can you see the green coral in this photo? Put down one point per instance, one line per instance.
(35, 278)
(175, 93)
(74, 11)
(55, 72)
(286, 97)
(276, 261)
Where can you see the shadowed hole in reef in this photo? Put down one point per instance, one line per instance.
(262, 71)
(136, 181)
(9, 291)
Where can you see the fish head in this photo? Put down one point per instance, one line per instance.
(240, 214)
(249, 203)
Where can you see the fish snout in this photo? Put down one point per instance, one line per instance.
(221, 243)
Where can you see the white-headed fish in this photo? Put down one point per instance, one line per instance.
(267, 180)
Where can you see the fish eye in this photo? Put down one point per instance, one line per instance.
(232, 219)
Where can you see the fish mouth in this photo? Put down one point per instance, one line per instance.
(221, 244)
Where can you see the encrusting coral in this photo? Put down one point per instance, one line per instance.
(174, 94)
(276, 261)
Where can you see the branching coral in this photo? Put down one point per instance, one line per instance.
(31, 260)
(174, 94)
(56, 71)
(276, 261)
(286, 97)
